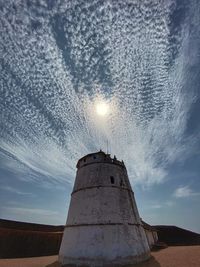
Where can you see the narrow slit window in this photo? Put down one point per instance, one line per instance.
(112, 179)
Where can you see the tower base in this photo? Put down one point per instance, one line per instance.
(103, 246)
(125, 262)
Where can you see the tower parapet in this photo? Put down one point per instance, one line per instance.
(98, 157)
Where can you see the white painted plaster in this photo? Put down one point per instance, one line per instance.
(103, 224)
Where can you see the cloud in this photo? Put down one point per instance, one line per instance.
(184, 191)
(41, 160)
(156, 206)
(55, 69)
(169, 203)
(33, 215)
(161, 205)
(29, 212)
(16, 191)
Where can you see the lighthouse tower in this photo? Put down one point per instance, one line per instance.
(103, 225)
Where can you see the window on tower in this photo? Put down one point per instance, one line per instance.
(112, 179)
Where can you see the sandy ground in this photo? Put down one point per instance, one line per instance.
(170, 257)
(28, 262)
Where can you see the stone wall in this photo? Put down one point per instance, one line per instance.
(25, 243)
(103, 223)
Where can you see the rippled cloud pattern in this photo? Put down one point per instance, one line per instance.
(59, 57)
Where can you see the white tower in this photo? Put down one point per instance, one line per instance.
(103, 225)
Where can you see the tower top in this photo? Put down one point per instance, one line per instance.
(98, 157)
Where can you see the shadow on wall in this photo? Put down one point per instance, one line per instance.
(152, 262)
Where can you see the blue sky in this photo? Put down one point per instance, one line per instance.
(58, 60)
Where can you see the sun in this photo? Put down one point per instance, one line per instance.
(102, 108)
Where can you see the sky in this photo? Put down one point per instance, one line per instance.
(59, 59)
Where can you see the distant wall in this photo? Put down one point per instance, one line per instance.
(30, 226)
(24, 243)
(175, 236)
(152, 237)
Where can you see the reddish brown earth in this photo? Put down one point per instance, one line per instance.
(183, 256)
(28, 262)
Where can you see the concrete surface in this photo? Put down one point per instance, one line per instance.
(103, 224)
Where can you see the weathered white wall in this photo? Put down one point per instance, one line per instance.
(152, 237)
(103, 245)
(103, 223)
(155, 236)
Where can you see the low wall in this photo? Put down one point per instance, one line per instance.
(175, 236)
(24, 243)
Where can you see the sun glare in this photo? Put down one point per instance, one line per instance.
(102, 108)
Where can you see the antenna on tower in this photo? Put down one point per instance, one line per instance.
(107, 145)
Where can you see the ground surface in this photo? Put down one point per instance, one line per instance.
(28, 262)
(170, 257)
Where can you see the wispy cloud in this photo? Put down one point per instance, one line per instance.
(169, 203)
(161, 205)
(31, 214)
(125, 56)
(184, 191)
(156, 206)
(26, 212)
(41, 160)
(15, 191)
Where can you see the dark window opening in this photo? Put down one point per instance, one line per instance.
(112, 179)
(121, 183)
(94, 157)
(84, 160)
